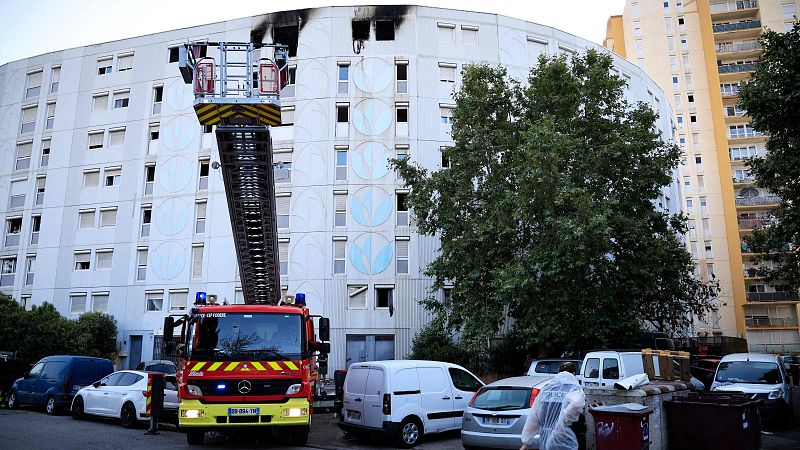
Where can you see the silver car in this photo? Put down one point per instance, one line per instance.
(496, 415)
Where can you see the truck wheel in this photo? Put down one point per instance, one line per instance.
(410, 433)
(50, 406)
(128, 415)
(195, 437)
(299, 435)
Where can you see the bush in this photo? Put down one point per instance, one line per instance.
(434, 343)
(42, 331)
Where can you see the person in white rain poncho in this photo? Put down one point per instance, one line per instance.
(560, 403)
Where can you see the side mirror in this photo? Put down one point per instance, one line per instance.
(97, 384)
(169, 328)
(325, 330)
(324, 348)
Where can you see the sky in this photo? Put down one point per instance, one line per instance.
(33, 27)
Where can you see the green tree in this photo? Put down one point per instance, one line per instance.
(772, 99)
(95, 334)
(546, 215)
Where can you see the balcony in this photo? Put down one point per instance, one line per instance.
(737, 68)
(734, 9)
(740, 26)
(743, 180)
(783, 296)
(731, 47)
(774, 348)
(774, 322)
(749, 224)
(765, 200)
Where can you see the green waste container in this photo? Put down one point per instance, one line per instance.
(713, 420)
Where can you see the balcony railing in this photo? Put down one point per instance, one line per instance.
(717, 8)
(722, 28)
(744, 179)
(774, 348)
(749, 224)
(766, 200)
(735, 68)
(737, 47)
(770, 322)
(782, 296)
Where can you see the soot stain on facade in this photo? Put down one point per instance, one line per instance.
(297, 17)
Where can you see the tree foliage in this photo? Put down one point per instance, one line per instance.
(42, 331)
(772, 99)
(546, 214)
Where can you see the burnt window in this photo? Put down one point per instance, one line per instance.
(287, 35)
(361, 30)
(402, 115)
(173, 54)
(384, 30)
(342, 114)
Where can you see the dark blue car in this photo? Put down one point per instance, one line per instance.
(54, 380)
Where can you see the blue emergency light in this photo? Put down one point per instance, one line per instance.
(221, 387)
(299, 299)
(200, 298)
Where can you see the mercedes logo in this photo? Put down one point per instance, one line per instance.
(244, 386)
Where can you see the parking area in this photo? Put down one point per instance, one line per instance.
(31, 429)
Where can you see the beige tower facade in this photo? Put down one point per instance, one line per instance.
(700, 51)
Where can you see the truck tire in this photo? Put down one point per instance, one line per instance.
(299, 435)
(410, 432)
(195, 437)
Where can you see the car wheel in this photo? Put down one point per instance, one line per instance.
(410, 432)
(50, 407)
(128, 415)
(77, 408)
(195, 437)
(12, 401)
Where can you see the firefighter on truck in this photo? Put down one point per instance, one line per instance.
(247, 367)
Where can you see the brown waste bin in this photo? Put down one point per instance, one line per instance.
(713, 420)
(622, 427)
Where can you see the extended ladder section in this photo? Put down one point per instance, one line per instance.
(240, 96)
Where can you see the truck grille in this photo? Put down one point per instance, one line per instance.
(258, 387)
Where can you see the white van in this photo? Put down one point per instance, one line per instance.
(405, 399)
(604, 368)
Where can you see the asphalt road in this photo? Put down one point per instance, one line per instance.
(31, 429)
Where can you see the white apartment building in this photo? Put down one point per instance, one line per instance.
(115, 203)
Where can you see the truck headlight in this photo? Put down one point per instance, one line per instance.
(294, 389)
(295, 412)
(192, 413)
(775, 393)
(194, 390)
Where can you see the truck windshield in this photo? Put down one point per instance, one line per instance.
(256, 336)
(749, 372)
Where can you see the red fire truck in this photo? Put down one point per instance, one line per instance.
(245, 366)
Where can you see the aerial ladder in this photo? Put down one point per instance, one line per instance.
(245, 367)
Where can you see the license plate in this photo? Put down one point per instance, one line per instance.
(355, 415)
(496, 421)
(243, 411)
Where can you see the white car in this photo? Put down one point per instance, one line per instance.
(122, 394)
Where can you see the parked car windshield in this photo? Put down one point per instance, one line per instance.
(749, 372)
(256, 336)
(502, 398)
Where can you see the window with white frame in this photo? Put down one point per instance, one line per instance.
(24, 150)
(401, 252)
(698, 163)
(401, 73)
(91, 178)
(287, 115)
(445, 159)
(83, 259)
(344, 77)
(147, 217)
(402, 209)
(149, 178)
(108, 217)
(203, 174)
(283, 256)
(51, 115)
(446, 114)
(701, 183)
(706, 226)
(690, 206)
(8, 270)
(709, 253)
(400, 153)
(96, 139)
(36, 224)
(282, 209)
(339, 246)
(340, 208)
(447, 73)
(124, 62)
(121, 98)
(104, 258)
(141, 263)
(692, 225)
(154, 132)
(45, 152)
(33, 84)
(113, 177)
(77, 302)
(174, 54)
(671, 44)
(688, 81)
(447, 33)
(86, 219)
(28, 119)
(357, 296)
(178, 299)
(668, 24)
(291, 82)
(100, 302)
(341, 164)
(384, 296)
(116, 137)
(687, 61)
(197, 260)
(158, 97)
(30, 269)
(17, 193)
(703, 205)
(154, 300)
(100, 101)
(104, 65)
(402, 112)
(13, 229)
(200, 215)
(282, 159)
(41, 182)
